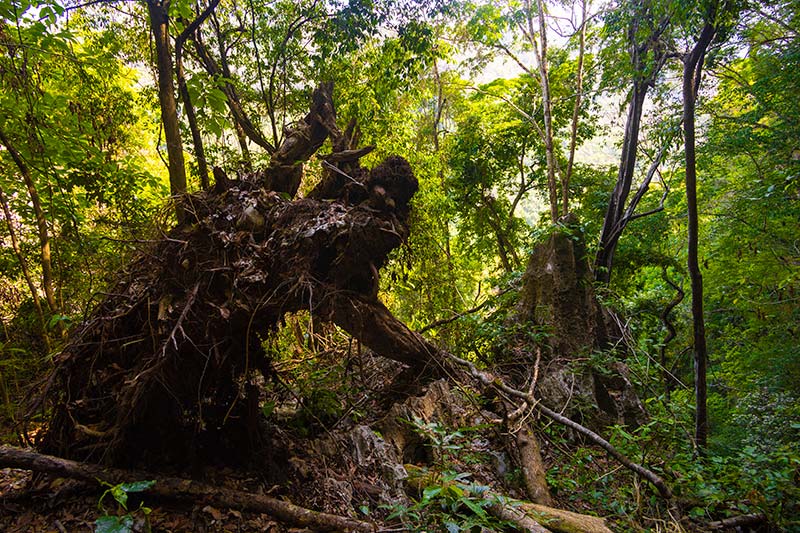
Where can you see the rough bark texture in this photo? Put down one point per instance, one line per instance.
(158, 371)
(159, 25)
(558, 301)
(533, 469)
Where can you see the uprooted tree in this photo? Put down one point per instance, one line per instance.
(162, 371)
(159, 370)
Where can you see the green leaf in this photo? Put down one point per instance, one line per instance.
(430, 493)
(137, 486)
(120, 495)
(114, 524)
(474, 507)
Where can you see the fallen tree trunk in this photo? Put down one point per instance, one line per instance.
(158, 372)
(181, 489)
(561, 521)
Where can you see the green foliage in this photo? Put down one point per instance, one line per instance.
(448, 499)
(74, 113)
(452, 503)
(76, 102)
(123, 523)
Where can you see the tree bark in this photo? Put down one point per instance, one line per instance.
(232, 96)
(24, 267)
(159, 24)
(609, 236)
(41, 223)
(692, 70)
(666, 371)
(241, 137)
(614, 222)
(540, 49)
(181, 489)
(573, 140)
(532, 466)
(197, 139)
(177, 333)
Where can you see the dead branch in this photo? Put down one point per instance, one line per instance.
(181, 489)
(496, 383)
(738, 521)
(443, 321)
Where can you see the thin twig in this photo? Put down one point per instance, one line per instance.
(443, 321)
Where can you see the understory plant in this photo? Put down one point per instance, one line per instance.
(124, 522)
(447, 499)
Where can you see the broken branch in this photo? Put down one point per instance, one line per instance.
(498, 384)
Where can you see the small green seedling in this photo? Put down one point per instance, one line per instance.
(122, 523)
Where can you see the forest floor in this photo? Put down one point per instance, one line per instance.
(337, 464)
(48, 505)
(349, 452)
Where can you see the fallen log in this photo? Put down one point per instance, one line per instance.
(531, 517)
(732, 522)
(562, 521)
(182, 490)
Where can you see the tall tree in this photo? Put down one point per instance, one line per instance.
(41, 221)
(158, 11)
(647, 54)
(692, 72)
(191, 116)
(576, 109)
(539, 43)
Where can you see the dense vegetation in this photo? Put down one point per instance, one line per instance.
(668, 128)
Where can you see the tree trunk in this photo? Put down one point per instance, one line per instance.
(247, 160)
(573, 140)
(692, 70)
(232, 96)
(622, 188)
(197, 139)
(41, 223)
(547, 107)
(653, 51)
(557, 304)
(171, 344)
(24, 266)
(159, 24)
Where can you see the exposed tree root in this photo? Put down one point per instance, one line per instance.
(157, 372)
(181, 489)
